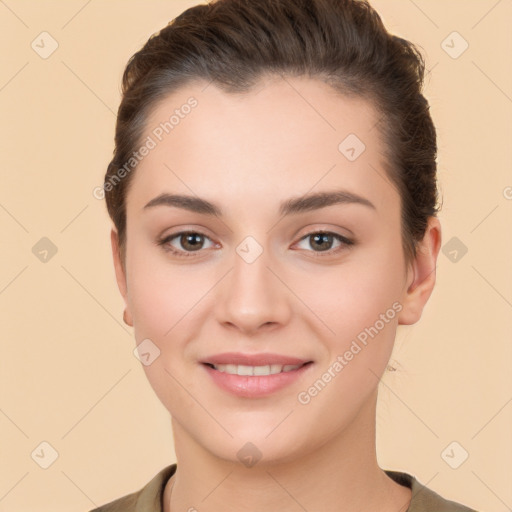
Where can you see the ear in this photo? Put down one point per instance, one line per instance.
(120, 274)
(421, 274)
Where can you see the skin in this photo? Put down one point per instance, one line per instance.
(247, 153)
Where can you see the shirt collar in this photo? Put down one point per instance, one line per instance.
(151, 495)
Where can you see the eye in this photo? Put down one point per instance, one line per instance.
(324, 241)
(190, 242)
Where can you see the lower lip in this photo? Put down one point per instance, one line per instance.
(257, 385)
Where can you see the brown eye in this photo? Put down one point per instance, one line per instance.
(323, 241)
(191, 241)
(184, 243)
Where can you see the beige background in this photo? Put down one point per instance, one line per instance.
(68, 374)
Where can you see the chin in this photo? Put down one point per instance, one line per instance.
(259, 443)
(258, 452)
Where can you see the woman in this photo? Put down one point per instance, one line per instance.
(274, 200)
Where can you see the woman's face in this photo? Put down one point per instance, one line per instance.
(253, 289)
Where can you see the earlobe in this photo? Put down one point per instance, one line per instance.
(120, 274)
(422, 274)
(127, 319)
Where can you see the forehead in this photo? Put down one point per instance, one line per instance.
(284, 137)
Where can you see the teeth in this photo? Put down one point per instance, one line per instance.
(240, 369)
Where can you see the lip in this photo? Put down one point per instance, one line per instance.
(253, 359)
(254, 386)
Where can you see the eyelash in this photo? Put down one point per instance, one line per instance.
(187, 254)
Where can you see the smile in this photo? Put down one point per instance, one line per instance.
(254, 376)
(272, 369)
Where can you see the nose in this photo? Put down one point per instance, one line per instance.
(253, 296)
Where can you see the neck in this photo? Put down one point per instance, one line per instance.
(341, 475)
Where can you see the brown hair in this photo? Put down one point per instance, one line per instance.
(233, 43)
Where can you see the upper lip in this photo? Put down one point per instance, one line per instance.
(262, 359)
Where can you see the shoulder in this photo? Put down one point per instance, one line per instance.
(146, 499)
(425, 499)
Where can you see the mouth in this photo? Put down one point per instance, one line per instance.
(254, 375)
(245, 370)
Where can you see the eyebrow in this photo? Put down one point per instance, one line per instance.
(291, 206)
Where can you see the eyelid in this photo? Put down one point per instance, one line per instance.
(344, 241)
(164, 241)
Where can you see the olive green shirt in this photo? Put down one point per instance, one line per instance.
(149, 498)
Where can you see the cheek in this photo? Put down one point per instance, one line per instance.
(353, 296)
(160, 291)
(151, 303)
(359, 304)
(160, 298)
